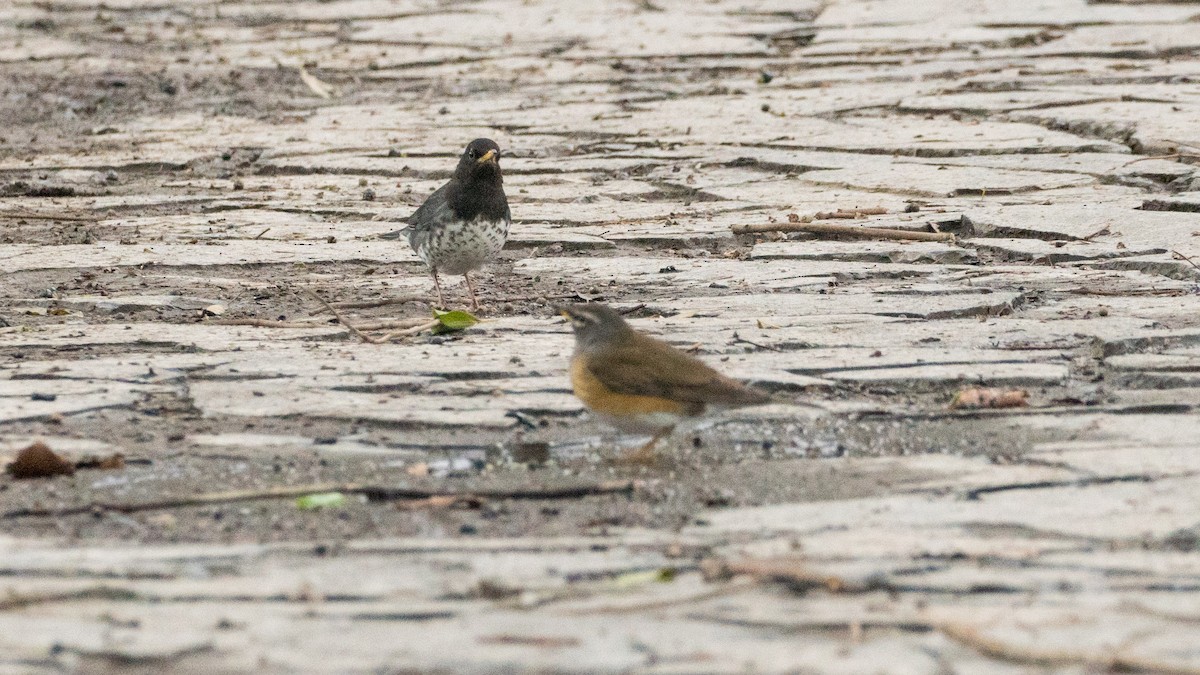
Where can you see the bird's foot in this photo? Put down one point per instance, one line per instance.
(643, 455)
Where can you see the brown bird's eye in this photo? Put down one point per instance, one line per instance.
(471, 153)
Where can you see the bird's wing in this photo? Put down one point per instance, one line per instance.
(435, 211)
(648, 368)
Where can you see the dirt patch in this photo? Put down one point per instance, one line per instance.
(732, 464)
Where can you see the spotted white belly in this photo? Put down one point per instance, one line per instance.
(458, 247)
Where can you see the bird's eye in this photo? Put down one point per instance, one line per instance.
(471, 153)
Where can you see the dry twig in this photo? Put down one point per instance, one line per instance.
(970, 637)
(372, 492)
(15, 601)
(426, 324)
(851, 214)
(796, 573)
(1173, 155)
(386, 324)
(1185, 258)
(793, 571)
(371, 304)
(846, 230)
(341, 319)
(391, 324)
(1178, 154)
(31, 215)
(269, 323)
(404, 299)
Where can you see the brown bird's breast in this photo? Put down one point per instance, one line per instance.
(631, 412)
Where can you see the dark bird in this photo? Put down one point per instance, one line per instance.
(464, 224)
(639, 384)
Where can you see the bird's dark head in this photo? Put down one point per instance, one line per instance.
(594, 324)
(480, 161)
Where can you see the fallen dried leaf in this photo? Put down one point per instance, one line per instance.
(39, 461)
(441, 502)
(982, 397)
(322, 89)
(163, 520)
(531, 452)
(110, 463)
(419, 469)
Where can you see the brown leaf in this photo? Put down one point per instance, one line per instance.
(39, 461)
(531, 452)
(110, 463)
(982, 397)
(441, 502)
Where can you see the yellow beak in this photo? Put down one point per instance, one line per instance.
(489, 156)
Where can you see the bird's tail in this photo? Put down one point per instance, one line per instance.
(394, 234)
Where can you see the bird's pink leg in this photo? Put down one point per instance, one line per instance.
(438, 285)
(471, 288)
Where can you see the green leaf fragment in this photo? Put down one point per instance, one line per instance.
(642, 577)
(322, 500)
(453, 320)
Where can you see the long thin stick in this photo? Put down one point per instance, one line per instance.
(341, 319)
(46, 216)
(391, 324)
(412, 330)
(19, 601)
(370, 304)
(968, 636)
(794, 572)
(386, 324)
(1173, 155)
(847, 230)
(851, 213)
(403, 299)
(1187, 259)
(375, 492)
(269, 323)
(797, 574)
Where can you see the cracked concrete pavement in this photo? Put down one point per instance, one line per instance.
(159, 159)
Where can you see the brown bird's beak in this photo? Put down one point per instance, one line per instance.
(563, 311)
(489, 156)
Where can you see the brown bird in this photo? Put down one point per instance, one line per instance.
(639, 384)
